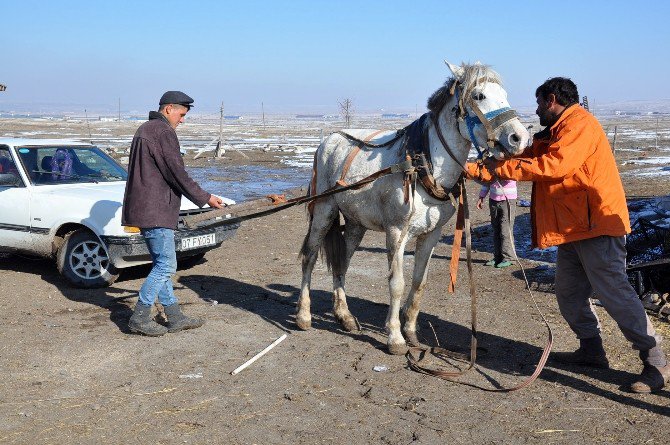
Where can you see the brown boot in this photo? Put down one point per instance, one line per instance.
(655, 374)
(590, 353)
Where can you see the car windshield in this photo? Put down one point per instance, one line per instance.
(69, 164)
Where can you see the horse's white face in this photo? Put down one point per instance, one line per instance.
(510, 137)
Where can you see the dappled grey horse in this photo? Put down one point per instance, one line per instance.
(462, 112)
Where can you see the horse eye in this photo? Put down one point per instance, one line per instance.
(478, 96)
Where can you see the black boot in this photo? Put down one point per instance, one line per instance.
(141, 322)
(656, 371)
(177, 321)
(590, 353)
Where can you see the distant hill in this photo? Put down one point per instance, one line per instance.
(629, 107)
(45, 109)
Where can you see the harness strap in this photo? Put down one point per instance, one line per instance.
(399, 133)
(404, 166)
(352, 154)
(458, 236)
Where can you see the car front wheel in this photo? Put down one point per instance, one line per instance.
(83, 261)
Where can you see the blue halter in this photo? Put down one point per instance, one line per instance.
(472, 121)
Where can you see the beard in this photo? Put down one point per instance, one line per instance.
(546, 119)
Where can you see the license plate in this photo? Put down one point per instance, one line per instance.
(193, 242)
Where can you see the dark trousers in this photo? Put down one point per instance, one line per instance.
(599, 265)
(502, 221)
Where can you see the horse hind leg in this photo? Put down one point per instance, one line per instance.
(353, 234)
(324, 214)
(422, 254)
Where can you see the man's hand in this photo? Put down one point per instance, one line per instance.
(490, 163)
(215, 201)
(480, 203)
(481, 171)
(473, 170)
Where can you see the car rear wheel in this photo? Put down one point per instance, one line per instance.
(83, 260)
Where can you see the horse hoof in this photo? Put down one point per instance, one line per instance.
(349, 324)
(412, 339)
(397, 349)
(303, 324)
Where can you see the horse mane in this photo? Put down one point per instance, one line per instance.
(473, 74)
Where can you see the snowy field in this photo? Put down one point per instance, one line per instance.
(641, 143)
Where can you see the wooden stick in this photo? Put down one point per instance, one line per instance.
(259, 355)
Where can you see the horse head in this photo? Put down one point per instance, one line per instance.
(484, 115)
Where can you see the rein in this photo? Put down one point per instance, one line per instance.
(280, 203)
(417, 356)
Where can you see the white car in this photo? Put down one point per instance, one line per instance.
(62, 199)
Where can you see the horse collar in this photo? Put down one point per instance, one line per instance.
(417, 148)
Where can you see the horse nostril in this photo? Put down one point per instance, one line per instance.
(514, 139)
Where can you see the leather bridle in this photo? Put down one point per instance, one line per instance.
(491, 121)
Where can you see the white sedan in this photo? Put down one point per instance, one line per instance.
(62, 199)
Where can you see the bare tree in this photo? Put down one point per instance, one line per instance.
(347, 111)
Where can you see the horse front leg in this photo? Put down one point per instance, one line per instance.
(353, 235)
(422, 254)
(396, 250)
(323, 217)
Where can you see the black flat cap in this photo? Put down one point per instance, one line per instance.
(176, 97)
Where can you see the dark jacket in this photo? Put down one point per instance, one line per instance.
(157, 178)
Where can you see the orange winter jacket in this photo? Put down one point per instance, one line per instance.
(577, 191)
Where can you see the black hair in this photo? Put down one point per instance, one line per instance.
(562, 88)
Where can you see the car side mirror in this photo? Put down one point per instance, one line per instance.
(9, 180)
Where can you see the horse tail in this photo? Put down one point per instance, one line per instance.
(304, 249)
(334, 247)
(309, 209)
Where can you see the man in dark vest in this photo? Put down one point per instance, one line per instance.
(157, 180)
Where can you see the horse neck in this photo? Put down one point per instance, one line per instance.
(445, 170)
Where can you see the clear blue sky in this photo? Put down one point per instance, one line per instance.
(306, 55)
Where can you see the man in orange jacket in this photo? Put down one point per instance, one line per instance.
(578, 204)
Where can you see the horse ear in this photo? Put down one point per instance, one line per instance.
(456, 70)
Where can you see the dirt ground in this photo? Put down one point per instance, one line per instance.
(72, 373)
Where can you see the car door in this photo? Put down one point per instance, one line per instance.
(14, 206)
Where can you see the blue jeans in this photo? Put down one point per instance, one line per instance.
(160, 242)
